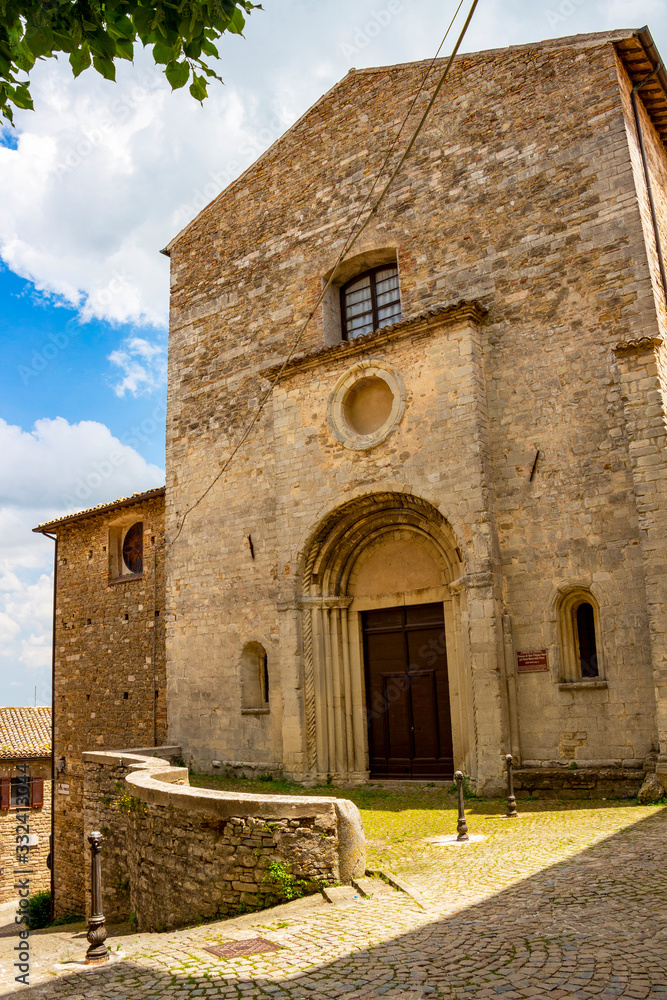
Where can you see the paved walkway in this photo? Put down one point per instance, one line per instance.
(566, 904)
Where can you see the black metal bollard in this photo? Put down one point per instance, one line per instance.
(461, 825)
(97, 932)
(511, 798)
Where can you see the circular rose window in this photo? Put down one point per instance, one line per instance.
(366, 404)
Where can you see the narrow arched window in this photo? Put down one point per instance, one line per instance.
(581, 645)
(586, 644)
(265, 672)
(254, 678)
(370, 301)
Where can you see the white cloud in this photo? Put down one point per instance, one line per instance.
(45, 473)
(144, 366)
(26, 613)
(69, 466)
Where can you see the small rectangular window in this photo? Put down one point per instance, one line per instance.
(370, 301)
(21, 793)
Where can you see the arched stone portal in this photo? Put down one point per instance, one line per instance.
(384, 550)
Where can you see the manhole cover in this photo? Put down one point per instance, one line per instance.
(251, 946)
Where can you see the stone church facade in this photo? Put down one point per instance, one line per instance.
(443, 538)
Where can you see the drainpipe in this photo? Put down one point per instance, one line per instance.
(52, 852)
(654, 215)
(154, 691)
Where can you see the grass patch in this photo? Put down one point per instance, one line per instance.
(39, 910)
(398, 818)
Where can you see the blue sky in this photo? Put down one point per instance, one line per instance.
(93, 184)
(56, 366)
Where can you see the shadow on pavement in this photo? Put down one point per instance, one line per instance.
(594, 925)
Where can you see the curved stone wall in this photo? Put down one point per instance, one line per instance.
(175, 855)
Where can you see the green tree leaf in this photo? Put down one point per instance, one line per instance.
(237, 22)
(22, 98)
(80, 60)
(177, 73)
(198, 87)
(163, 53)
(105, 67)
(125, 48)
(209, 48)
(39, 40)
(102, 45)
(108, 30)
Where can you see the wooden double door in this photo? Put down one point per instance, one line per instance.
(407, 693)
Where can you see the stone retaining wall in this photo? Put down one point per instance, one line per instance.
(175, 855)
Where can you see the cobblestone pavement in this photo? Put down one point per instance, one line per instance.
(564, 903)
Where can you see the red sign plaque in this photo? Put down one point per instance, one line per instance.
(530, 660)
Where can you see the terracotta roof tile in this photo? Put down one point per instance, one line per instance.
(25, 732)
(101, 507)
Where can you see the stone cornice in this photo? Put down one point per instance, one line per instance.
(418, 325)
(639, 345)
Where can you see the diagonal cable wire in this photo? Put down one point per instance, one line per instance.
(352, 239)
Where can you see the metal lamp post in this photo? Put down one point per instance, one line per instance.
(97, 932)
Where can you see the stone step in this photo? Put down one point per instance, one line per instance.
(342, 895)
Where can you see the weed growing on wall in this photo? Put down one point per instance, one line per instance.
(124, 802)
(468, 792)
(287, 885)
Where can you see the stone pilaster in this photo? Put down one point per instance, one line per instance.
(643, 372)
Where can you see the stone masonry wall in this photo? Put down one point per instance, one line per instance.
(175, 855)
(535, 216)
(110, 674)
(39, 822)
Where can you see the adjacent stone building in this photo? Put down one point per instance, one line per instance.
(444, 537)
(25, 800)
(109, 668)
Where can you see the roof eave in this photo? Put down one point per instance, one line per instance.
(47, 526)
(654, 95)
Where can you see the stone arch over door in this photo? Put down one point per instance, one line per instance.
(378, 551)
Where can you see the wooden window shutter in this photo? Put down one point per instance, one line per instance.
(37, 792)
(5, 792)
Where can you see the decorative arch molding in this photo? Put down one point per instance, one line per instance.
(372, 256)
(333, 669)
(340, 531)
(560, 635)
(569, 598)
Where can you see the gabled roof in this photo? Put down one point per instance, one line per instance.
(101, 508)
(25, 733)
(625, 40)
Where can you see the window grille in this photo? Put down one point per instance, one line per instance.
(370, 301)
